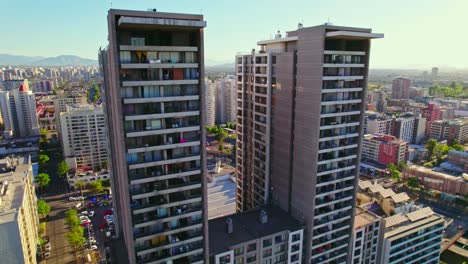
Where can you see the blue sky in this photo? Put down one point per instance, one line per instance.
(418, 33)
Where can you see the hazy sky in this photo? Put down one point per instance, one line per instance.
(418, 33)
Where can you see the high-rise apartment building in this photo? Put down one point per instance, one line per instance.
(18, 211)
(432, 113)
(378, 124)
(226, 102)
(210, 102)
(12, 85)
(18, 109)
(434, 72)
(453, 131)
(384, 149)
(401, 88)
(299, 122)
(63, 101)
(403, 128)
(153, 75)
(84, 136)
(419, 129)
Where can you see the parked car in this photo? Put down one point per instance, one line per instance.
(47, 246)
(91, 214)
(84, 213)
(78, 205)
(46, 254)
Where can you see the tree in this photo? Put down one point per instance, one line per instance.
(43, 179)
(80, 185)
(430, 146)
(62, 168)
(394, 173)
(441, 150)
(71, 217)
(76, 237)
(106, 183)
(43, 133)
(96, 186)
(402, 166)
(413, 182)
(456, 146)
(42, 208)
(105, 165)
(43, 159)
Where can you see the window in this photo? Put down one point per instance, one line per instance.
(267, 253)
(238, 251)
(239, 260)
(296, 237)
(252, 258)
(251, 247)
(137, 41)
(267, 242)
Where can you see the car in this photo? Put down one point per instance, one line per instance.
(71, 199)
(91, 214)
(78, 205)
(91, 248)
(91, 240)
(47, 246)
(84, 213)
(46, 254)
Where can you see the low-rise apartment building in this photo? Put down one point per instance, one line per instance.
(86, 176)
(368, 232)
(452, 131)
(384, 149)
(18, 212)
(438, 180)
(266, 235)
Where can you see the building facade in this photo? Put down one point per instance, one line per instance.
(377, 124)
(368, 233)
(226, 102)
(452, 131)
(63, 101)
(210, 105)
(401, 88)
(153, 76)
(18, 109)
(432, 113)
(403, 128)
(84, 136)
(257, 236)
(305, 93)
(384, 149)
(19, 221)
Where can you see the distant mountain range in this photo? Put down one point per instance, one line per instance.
(227, 68)
(62, 60)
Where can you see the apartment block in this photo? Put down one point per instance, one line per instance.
(450, 130)
(439, 180)
(210, 102)
(412, 234)
(153, 81)
(299, 122)
(401, 88)
(63, 101)
(226, 101)
(18, 107)
(384, 149)
(432, 113)
(266, 235)
(368, 233)
(379, 124)
(13, 85)
(84, 136)
(419, 129)
(403, 128)
(18, 211)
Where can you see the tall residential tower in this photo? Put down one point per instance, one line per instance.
(299, 121)
(153, 74)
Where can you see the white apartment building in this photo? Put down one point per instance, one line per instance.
(84, 135)
(226, 99)
(210, 100)
(403, 128)
(368, 232)
(61, 103)
(18, 109)
(378, 125)
(18, 212)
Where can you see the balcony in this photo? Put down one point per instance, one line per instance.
(180, 252)
(181, 240)
(161, 189)
(160, 174)
(157, 162)
(151, 220)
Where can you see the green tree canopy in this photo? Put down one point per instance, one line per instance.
(71, 217)
(106, 183)
(42, 208)
(76, 236)
(43, 132)
(430, 146)
(457, 146)
(96, 186)
(80, 185)
(413, 182)
(43, 159)
(440, 151)
(43, 179)
(394, 172)
(62, 168)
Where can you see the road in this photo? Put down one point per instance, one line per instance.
(56, 227)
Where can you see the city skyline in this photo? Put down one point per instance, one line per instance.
(407, 44)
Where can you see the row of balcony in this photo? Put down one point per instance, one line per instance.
(155, 91)
(171, 57)
(160, 108)
(341, 84)
(185, 254)
(343, 59)
(160, 124)
(129, 75)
